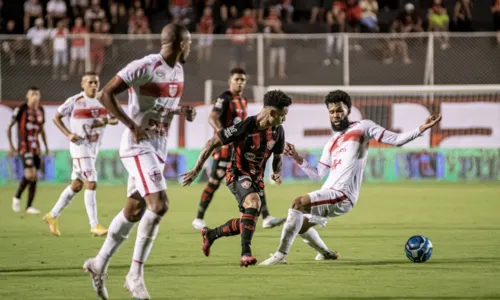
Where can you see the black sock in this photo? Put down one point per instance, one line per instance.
(31, 193)
(22, 186)
(206, 198)
(230, 228)
(264, 210)
(248, 222)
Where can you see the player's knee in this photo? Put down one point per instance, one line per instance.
(91, 185)
(133, 213)
(76, 186)
(159, 203)
(214, 181)
(30, 175)
(252, 201)
(299, 204)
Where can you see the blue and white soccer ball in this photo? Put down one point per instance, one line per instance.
(418, 249)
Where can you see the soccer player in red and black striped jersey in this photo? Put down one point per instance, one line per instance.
(229, 109)
(30, 119)
(254, 140)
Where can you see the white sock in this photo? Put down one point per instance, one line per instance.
(118, 232)
(91, 207)
(146, 234)
(64, 200)
(312, 238)
(290, 230)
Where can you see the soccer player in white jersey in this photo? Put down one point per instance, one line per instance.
(87, 118)
(344, 156)
(154, 84)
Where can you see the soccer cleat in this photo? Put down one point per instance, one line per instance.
(330, 255)
(198, 224)
(135, 285)
(271, 222)
(32, 211)
(53, 224)
(98, 230)
(206, 242)
(277, 258)
(98, 279)
(247, 260)
(16, 204)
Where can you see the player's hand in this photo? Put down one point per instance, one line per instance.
(139, 134)
(100, 123)
(189, 112)
(74, 138)
(290, 150)
(430, 122)
(12, 152)
(276, 177)
(189, 177)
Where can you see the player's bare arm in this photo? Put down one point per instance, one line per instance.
(430, 122)
(209, 147)
(277, 168)
(214, 120)
(108, 100)
(104, 121)
(62, 127)
(291, 152)
(12, 149)
(44, 139)
(187, 111)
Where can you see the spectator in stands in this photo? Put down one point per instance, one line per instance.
(495, 11)
(369, 11)
(463, 15)
(277, 51)
(9, 46)
(259, 9)
(315, 10)
(410, 19)
(398, 42)
(94, 13)
(179, 10)
(79, 7)
(238, 40)
(205, 27)
(78, 47)
(59, 38)
(56, 11)
(139, 25)
(97, 47)
(32, 11)
(333, 42)
(286, 11)
(37, 35)
(249, 22)
(119, 18)
(439, 22)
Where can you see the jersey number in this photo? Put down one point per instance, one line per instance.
(335, 163)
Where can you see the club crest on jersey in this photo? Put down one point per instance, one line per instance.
(172, 90)
(94, 113)
(246, 184)
(155, 176)
(271, 144)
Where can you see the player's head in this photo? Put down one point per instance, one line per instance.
(237, 80)
(339, 107)
(276, 103)
(33, 96)
(90, 84)
(178, 38)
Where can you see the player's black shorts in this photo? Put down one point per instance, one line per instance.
(243, 186)
(31, 160)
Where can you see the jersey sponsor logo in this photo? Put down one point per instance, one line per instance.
(246, 184)
(155, 176)
(228, 132)
(271, 144)
(250, 156)
(336, 163)
(219, 102)
(160, 73)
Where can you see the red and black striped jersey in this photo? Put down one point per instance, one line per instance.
(252, 148)
(29, 123)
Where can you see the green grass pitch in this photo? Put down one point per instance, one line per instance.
(462, 221)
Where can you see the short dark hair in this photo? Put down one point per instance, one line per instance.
(237, 70)
(33, 88)
(277, 99)
(338, 96)
(90, 73)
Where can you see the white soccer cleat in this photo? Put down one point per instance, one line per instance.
(330, 255)
(98, 279)
(277, 258)
(136, 286)
(16, 204)
(32, 211)
(199, 224)
(271, 222)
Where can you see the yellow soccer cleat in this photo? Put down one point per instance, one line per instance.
(99, 230)
(53, 224)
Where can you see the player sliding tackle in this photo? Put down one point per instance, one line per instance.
(344, 156)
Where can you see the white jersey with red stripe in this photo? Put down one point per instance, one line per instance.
(345, 154)
(154, 93)
(83, 112)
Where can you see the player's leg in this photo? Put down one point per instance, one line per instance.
(90, 178)
(250, 213)
(23, 183)
(268, 221)
(32, 175)
(311, 237)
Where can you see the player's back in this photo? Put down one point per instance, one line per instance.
(154, 93)
(29, 122)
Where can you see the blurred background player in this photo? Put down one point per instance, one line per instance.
(254, 140)
(87, 118)
(344, 157)
(155, 85)
(30, 119)
(229, 109)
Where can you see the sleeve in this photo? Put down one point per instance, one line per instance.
(222, 103)
(382, 135)
(317, 173)
(43, 114)
(279, 147)
(66, 108)
(137, 72)
(236, 132)
(16, 114)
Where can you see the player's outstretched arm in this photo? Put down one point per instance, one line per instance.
(209, 147)
(400, 139)
(315, 173)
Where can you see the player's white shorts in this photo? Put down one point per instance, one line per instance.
(145, 174)
(327, 203)
(84, 169)
(77, 53)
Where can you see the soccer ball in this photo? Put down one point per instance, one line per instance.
(418, 249)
